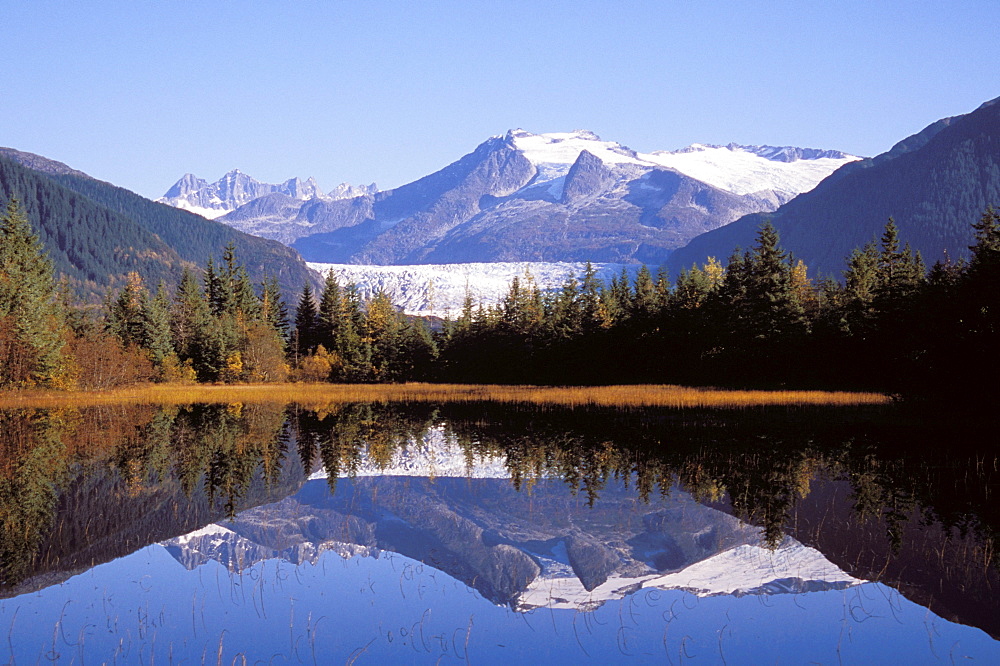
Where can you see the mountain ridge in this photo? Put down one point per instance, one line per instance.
(235, 189)
(567, 196)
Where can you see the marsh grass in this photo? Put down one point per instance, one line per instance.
(322, 394)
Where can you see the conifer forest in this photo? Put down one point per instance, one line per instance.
(759, 320)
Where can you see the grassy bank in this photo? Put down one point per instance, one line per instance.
(323, 394)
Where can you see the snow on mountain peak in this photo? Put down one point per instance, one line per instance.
(741, 169)
(750, 169)
(564, 148)
(554, 153)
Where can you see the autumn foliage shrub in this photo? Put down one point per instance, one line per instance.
(103, 363)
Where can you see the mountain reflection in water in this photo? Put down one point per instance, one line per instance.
(735, 537)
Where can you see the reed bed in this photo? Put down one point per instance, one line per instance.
(667, 396)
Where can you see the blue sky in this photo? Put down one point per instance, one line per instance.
(140, 93)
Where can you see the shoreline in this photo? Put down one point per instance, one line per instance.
(643, 395)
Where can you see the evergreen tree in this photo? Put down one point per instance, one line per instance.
(274, 311)
(32, 325)
(306, 318)
(590, 295)
(566, 311)
(381, 332)
(331, 313)
(189, 319)
(621, 296)
(899, 273)
(773, 311)
(986, 250)
(128, 312)
(158, 336)
(861, 284)
(643, 303)
(246, 304)
(354, 350)
(662, 289)
(418, 352)
(978, 297)
(217, 291)
(693, 288)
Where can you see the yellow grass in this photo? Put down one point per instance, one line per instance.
(325, 394)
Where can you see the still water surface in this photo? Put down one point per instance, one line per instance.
(421, 534)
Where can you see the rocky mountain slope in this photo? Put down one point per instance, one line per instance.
(544, 197)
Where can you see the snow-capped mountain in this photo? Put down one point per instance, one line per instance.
(784, 171)
(236, 189)
(779, 171)
(545, 197)
(439, 290)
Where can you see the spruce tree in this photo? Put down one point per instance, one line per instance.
(304, 340)
(216, 291)
(662, 288)
(643, 303)
(354, 350)
(32, 324)
(382, 333)
(158, 336)
(128, 312)
(189, 319)
(246, 304)
(274, 311)
(590, 295)
(693, 288)
(773, 312)
(331, 313)
(986, 250)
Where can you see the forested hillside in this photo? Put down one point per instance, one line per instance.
(195, 238)
(91, 246)
(96, 233)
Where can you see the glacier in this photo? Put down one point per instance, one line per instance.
(439, 290)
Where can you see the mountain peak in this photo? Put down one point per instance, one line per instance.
(236, 188)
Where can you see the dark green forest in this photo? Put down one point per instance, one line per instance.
(88, 244)
(95, 234)
(759, 321)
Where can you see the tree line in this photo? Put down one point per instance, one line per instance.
(757, 320)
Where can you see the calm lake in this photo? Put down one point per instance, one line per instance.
(482, 533)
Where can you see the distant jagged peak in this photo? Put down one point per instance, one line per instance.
(348, 191)
(187, 184)
(236, 188)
